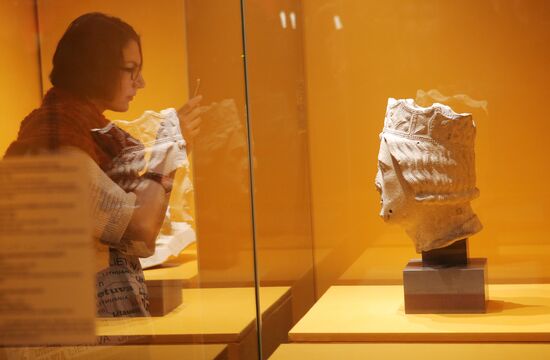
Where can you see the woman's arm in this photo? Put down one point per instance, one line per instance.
(126, 221)
(148, 215)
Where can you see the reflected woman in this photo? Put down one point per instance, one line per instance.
(97, 67)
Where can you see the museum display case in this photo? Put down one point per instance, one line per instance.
(482, 58)
(324, 71)
(281, 238)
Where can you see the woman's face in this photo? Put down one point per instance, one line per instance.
(131, 79)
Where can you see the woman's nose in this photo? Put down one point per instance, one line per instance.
(140, 81)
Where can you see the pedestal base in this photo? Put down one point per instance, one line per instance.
(445, 290)
(455, 254)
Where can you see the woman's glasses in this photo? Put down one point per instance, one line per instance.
(134, 71)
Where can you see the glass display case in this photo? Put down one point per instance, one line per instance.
(272, 245)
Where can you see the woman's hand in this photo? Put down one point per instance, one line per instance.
(190, 121)
(125, 168)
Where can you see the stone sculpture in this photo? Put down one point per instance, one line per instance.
(426, 173)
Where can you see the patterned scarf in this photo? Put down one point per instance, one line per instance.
(64, 119)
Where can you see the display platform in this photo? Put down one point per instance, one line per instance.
(277, 267)
(210, 315)
(142, 352)
(400, 351)
(376, 313)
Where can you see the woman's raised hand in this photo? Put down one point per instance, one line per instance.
(190, 121)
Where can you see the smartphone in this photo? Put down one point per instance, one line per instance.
(197, 87)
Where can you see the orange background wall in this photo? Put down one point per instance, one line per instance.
(19, 70)
(492, 51)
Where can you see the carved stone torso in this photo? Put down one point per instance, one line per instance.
(426, 173)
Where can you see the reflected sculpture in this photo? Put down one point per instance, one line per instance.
(426, 173)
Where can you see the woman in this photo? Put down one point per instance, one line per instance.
(97, 67)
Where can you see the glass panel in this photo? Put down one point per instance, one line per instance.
(200, 280)
(282, 203)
